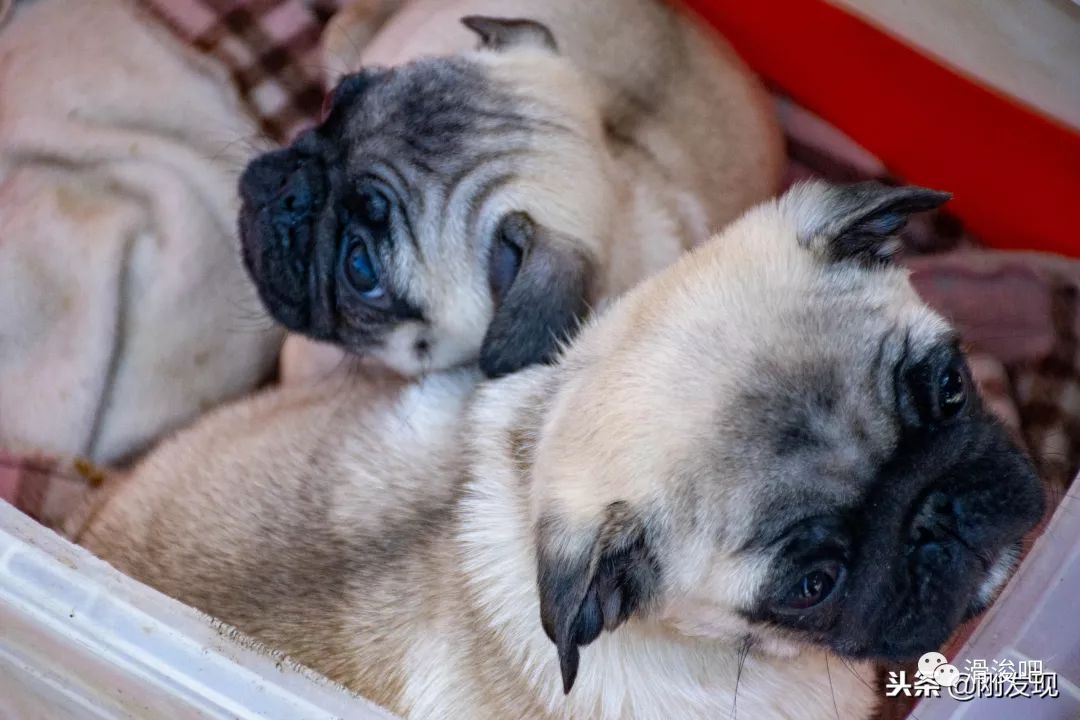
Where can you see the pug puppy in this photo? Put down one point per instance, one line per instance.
(753, 475)
(462, 203)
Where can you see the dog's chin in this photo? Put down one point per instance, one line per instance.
(412, 348)
(397, 349)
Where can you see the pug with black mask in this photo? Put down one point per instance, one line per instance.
(747, 479)
(479, 182)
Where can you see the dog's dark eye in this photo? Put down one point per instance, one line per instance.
(361, 274)
(814, 587)
(952, 392)
(937, 389)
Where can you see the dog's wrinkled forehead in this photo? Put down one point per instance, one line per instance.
(432, 115)
(792, 312)
(814, 425)
(814, 413)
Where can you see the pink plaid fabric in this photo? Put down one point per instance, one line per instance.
(270, 46)
(46, 488)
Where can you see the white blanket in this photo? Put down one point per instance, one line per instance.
(124, 308)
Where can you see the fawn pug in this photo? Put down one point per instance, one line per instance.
(461, 203)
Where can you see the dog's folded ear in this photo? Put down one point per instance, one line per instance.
(505, 33)
(859, 221)
(592, 580)
(541, 295)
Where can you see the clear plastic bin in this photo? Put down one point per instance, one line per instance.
(80, 640)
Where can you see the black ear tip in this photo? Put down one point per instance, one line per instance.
(911, 198)
(495, 365)
(568, 666)
(501, 33)
(905, 199)
(927, 199)
(486, 27)
(476, 23)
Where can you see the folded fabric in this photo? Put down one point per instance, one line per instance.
(124, 309)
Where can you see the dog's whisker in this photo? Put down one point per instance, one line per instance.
(744, 652)
(854, 673)
(832, 690)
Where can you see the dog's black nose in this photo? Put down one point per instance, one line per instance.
(283, 195)
(290, 214)
(265, 176)
(935, 521)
